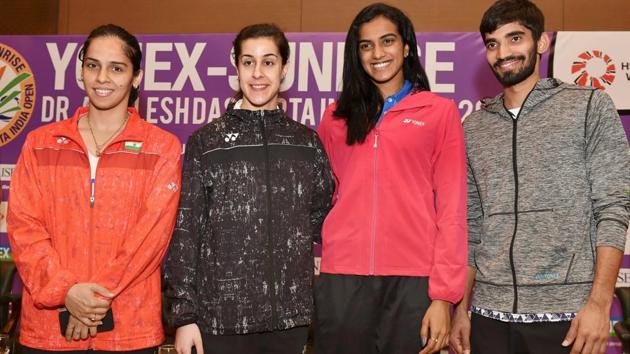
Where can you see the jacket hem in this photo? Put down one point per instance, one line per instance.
(96, 343)
(381, 271)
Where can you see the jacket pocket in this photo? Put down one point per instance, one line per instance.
(546, 243)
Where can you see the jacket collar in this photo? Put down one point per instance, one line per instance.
(133, 131)
(415, 99)
(247, 116)
(542, 91)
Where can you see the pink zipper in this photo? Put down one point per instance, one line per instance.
(374, 204)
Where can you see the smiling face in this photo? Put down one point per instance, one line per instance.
(108, 74)
(513, 53)
(382, 53)
(260, 72)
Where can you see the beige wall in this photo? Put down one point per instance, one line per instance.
(203, 16)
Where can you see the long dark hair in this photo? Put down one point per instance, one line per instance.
(131, 49)
(268, 30)
(360, 102)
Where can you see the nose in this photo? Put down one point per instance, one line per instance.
(378, 51)
(257, 71)
(102, 74)
(504, 51)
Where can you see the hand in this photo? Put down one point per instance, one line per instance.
(186, 337)
(589, 329)
(88, 302)
(77, 330)
(460, 331)
(435, 327)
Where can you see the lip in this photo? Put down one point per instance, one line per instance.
(103, 92)
(381, 64)
(258, 87)
(508, 65)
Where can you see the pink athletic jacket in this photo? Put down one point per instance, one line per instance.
(400, 198)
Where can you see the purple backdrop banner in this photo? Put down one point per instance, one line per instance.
(188, 80)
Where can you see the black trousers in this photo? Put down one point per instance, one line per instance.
(369, 314)
(290, 341)
(28, 350)
(490, 336)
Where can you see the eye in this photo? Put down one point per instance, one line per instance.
(117, 68)
(91, 65)
(269, 62)
(246, 62)
(516, 38)
(389, 41)
(365, 46)
(491, 45)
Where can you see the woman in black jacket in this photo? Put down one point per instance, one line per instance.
(256, 188)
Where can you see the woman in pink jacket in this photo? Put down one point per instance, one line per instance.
(394, 244)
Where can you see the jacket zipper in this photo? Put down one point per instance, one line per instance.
(91, 242)
(92, 183)
(374, 204)
(272, 278)
(515, 171)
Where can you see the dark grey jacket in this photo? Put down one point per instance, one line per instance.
(256, 188)
(544, 190)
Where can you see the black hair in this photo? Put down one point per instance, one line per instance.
(360, 102)
(268, 30)
(503, 12)
(131, 49)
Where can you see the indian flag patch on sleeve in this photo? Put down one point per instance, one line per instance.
(133, 145)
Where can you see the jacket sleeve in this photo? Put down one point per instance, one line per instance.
(181, 263)
(31, 245)
(323, 190)
(146, 243)
(324, 131)
(474, 215)
(607, 164)
(448, 274)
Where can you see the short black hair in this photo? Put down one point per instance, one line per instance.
(503, 12)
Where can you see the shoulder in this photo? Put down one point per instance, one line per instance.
(49, 133)
(299, 127)
(159, 141)
(330, 119)
(429, 98)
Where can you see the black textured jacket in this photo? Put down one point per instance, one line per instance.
(256, 188)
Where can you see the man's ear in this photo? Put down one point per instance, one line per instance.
(543, 43)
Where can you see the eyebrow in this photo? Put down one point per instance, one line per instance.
(266, 55)
(112, 62)
(514, 33)
(381, 37)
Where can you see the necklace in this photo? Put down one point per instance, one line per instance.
(99, 147)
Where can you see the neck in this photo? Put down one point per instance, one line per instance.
(514, 96)
(106, 120)
(269, 106)
(391, 87)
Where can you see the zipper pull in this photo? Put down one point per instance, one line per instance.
(92, 182)
(375, 140)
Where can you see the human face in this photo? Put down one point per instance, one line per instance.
(108, 74)
(260, 72)
(513, 53)
(382, 54)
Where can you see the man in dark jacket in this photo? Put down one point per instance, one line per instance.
(548, 202)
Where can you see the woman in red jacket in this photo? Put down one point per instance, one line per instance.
(394, 243)
(92, 208)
